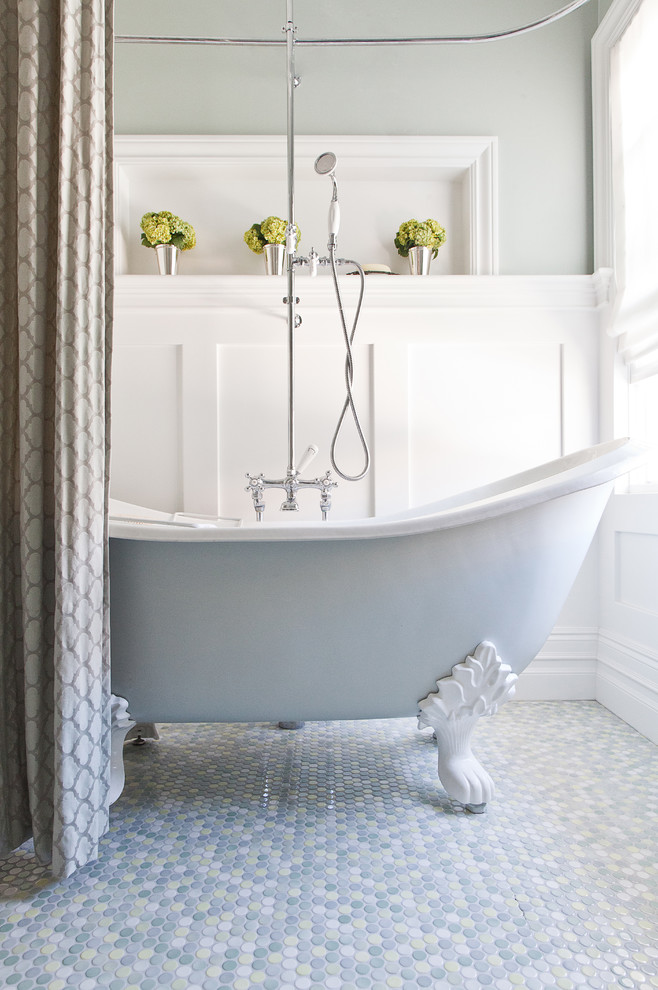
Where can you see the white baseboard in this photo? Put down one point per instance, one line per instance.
(565, 669)
(627, 682)
(585, 664)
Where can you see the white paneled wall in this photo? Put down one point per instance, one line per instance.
(480, 407)
(627, 673)
(458, 381)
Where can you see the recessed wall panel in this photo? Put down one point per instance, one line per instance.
(480, 411)
(253, 425)
(146, 426)
(636, 561)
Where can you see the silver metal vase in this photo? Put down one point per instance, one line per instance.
(419, 260)
(167, 255)
(275, 257)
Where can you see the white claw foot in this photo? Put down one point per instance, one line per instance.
(476, 687)
(121, 724)
(462, 775)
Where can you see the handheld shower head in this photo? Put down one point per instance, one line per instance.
(325, 164)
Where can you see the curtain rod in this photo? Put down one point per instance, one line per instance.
(133, 39)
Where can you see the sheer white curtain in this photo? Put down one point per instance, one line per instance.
(634, 120)
(55, 310)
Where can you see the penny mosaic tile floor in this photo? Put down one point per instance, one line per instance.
(329, 857)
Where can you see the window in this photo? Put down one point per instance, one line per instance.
(624, 57)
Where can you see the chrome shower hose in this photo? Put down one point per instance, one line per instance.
(348, 405)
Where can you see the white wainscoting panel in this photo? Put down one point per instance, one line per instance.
(147, 415)
(627, 674)
(480, 407)
(253, 423)
(636, 578)
(629, 564)
(450, 395)
(200, 387)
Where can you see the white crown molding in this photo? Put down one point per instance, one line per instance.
(376, 151)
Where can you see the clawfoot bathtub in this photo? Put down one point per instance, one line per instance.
(438, 607)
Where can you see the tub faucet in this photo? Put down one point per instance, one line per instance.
(291, 484)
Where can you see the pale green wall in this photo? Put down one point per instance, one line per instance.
(604, 7)
(533, 92)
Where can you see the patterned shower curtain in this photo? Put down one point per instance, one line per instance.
(55, 311)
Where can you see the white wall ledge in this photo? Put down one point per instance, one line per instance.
(463, 291)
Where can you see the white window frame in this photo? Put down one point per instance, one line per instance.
(609, 33)
(616, 416)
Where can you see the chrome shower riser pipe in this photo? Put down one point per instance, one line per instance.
(292, 483)
(290, 239)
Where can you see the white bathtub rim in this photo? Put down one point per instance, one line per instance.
(589, 468)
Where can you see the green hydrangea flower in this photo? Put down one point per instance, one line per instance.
(166, 228)
(271, 230)
(417, 233)
(254, 239)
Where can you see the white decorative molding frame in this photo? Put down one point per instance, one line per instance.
(476, 687)
(222, 184)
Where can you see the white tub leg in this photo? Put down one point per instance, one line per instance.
(120, 726)
(140, 732)
(476, 687)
